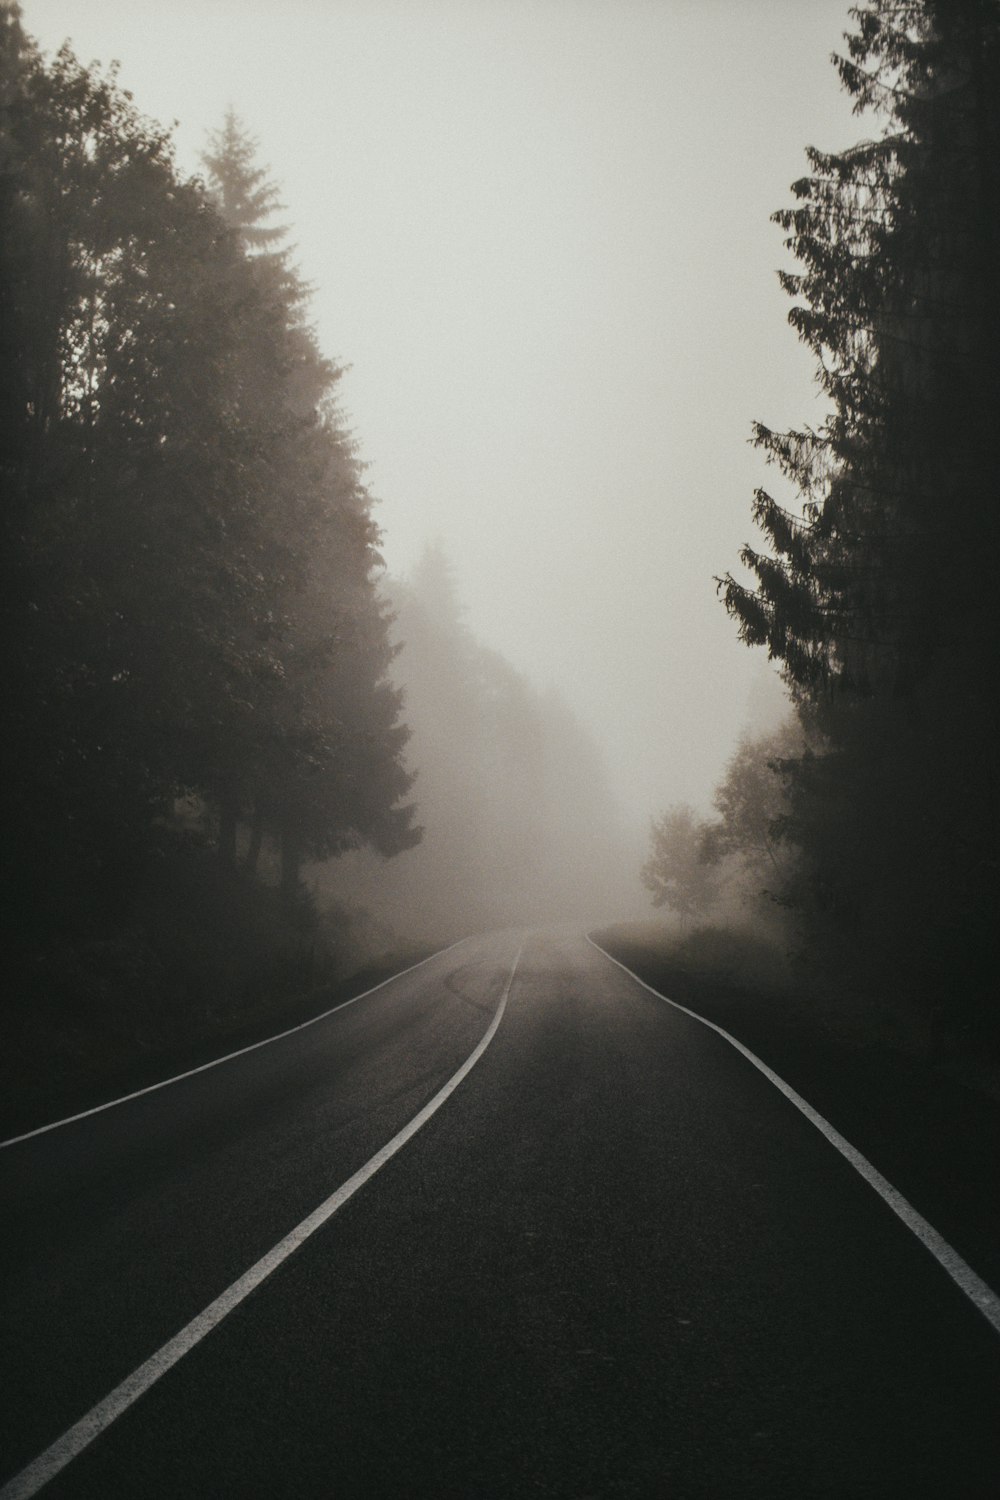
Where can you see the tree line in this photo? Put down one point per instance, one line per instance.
(520, 822)
(190, 599)
(873, 590)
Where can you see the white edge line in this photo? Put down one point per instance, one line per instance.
(978, 1292)
(151, 1088)
(78, 1437)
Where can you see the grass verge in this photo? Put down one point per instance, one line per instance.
(928, 1117)
(56, 1063)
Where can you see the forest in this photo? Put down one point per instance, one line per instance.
(462, 1035)
(204, 707)
(242, 760)
(196, 650)
(520, 823)
(866, 826)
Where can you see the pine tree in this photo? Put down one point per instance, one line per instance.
(873, 597)
(114, 275)
(189, 555)
(897, 239)
(321, 768)
(243, 192)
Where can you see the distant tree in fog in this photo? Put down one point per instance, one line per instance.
(752, 803)
(873, 597)
(519, 821)
(242, 191)
(680, 871)
(745, 859)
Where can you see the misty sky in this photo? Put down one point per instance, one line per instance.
(538, 233)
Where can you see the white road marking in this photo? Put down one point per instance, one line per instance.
(978, 1292)
(38, 1473)
(151, 1088)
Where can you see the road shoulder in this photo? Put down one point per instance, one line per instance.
(934, 1135)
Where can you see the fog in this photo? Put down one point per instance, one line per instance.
(362, 597)
(538, 235)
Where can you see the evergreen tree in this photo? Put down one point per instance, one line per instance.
(241, 188)
(520, 822)
(873, 597)
(189, 556)
(323, 771)
(113, 276)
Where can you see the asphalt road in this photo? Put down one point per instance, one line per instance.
(615, 1262)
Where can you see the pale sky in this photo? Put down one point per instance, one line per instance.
(538, 232)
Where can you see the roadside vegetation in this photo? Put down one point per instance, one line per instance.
(915, 1098)
(862, 837)
(220, 713)
(208, 802)
(196, 652)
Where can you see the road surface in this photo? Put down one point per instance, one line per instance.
(614, 1261)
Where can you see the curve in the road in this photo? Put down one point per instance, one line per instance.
(78, 1437)
(982, 1296)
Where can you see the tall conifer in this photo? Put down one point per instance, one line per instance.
(324, 770)
(874, 597)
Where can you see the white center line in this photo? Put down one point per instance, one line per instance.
(67, 1447)
(978, 1292)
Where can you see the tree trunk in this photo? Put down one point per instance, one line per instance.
(291, 858)
(228, 811)
(256, 839)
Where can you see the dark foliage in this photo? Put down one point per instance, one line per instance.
(875, 598)
(189, 596)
